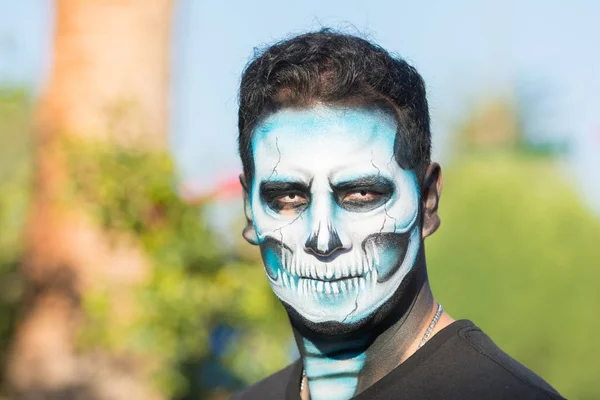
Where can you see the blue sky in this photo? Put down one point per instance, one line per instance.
(465, 50)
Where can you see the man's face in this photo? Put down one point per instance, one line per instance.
(335, 215)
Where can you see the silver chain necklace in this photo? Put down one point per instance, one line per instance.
(430, 328)
(432, 325)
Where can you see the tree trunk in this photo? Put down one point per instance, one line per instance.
(108, 83)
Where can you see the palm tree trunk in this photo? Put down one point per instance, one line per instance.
(108, 83)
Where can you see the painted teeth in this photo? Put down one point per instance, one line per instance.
(341, 272)
(321, 272)
(285, 280)
(329, 273)
(375, 254)
(308, 278)
(335, 288)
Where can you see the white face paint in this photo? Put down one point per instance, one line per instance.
(335, 215)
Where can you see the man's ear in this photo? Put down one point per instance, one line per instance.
(431, 192)
(248, 233)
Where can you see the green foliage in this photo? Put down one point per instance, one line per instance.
(518, 254)
(195, 283)
(15, 175)
(195, 286)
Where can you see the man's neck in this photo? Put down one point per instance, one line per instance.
(341, 367)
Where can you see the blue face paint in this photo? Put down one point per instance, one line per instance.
(335, 215)
(333, 372)
(336, 220)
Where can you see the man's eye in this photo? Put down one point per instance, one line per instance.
(363, 200)
(361, 196)
(289, 201)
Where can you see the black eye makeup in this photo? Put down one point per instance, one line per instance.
(363, 194)
(285, 197)
(358, 195)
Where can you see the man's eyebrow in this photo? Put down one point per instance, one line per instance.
(282, 186)
(369, 181)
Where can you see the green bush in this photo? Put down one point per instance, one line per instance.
(195, 286)
(15, 180)
(519, 255)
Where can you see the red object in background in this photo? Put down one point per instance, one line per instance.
(229, 188)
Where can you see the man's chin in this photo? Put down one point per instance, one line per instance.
(327, 328)
(389, 312)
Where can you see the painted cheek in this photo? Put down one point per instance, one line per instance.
(387, 251)
(272, 261)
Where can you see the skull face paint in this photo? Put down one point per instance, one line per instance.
(335, 215)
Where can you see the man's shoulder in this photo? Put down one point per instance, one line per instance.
(461, 362)
(272, 387)
(494, 368)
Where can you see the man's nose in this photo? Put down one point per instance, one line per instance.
(324, 241)
(323, 238)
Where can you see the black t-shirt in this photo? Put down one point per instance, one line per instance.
(459, 362)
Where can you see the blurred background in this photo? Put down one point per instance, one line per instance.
(123, 274)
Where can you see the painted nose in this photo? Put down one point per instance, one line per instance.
(324, 242)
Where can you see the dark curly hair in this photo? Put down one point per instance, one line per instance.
(336, 69)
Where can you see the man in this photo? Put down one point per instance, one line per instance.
(340, 194)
